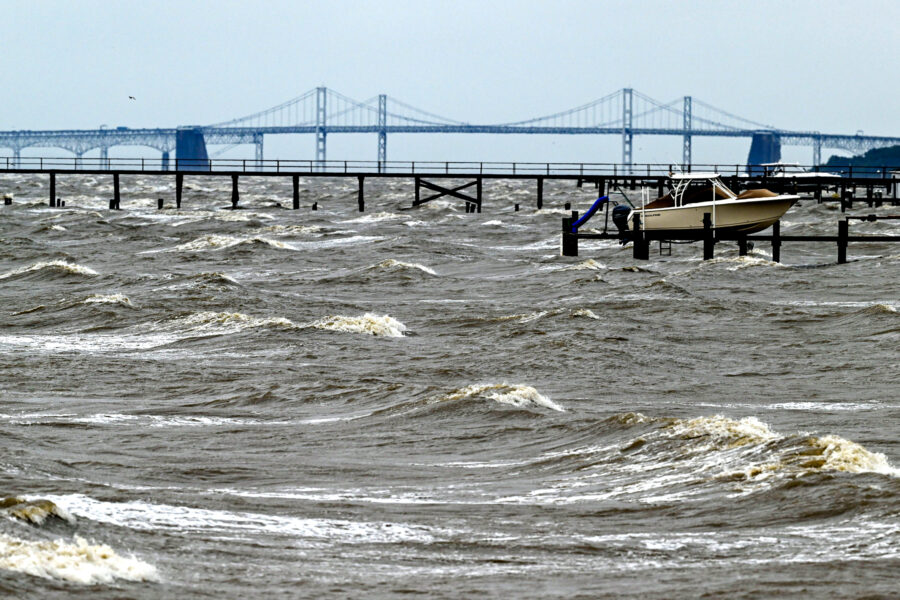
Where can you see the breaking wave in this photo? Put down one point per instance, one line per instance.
(54, 266)
(108, 299)
(396, 265)
(221, 242)
(586, 265)
(34, 511)
(369, 323)
(78, 561)
(520, 396)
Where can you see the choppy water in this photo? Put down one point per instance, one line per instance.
(215, 403)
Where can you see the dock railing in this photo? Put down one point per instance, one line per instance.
(446, 168)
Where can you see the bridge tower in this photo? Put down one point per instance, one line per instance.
(382, 132)
(321, 97)
(686, 147)
(817, 150)
(627, 135)
(104, 157)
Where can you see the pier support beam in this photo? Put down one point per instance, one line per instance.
(709, 240)
(443, 191)
(776, 241)
(295, 180)
(569, 241)
(52, 190)
(640, 243)
(179, 185)
(361, 194)
(235, 194)
(540, 193)
(117, 198)
(843, 232)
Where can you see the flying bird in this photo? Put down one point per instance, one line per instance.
(132, 98)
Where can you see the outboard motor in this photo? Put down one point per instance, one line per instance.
(620, 218)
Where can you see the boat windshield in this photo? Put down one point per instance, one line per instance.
(693, 190)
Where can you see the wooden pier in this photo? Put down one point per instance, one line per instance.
(847, 185)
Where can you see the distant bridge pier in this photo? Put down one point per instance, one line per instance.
(382, 131)
(165, 160)
(17, 157)
(817, 151)
(764, 148)
(190, 150)
(627, 129)
(686, 145)
(258, 142)
(321, 98)
(104, 157)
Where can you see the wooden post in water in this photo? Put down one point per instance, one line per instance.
(709, 240)
(361, 197)
(569, 240)
(159, 203)
(742, 246)
(540, 193)
(640, 243)
(179, 184)
(52, 189)
(235, 194)
(776, 241)
(295, 180)
(117, 198)
(478, 194)
(843, 231)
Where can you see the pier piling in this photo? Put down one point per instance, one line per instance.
(235, 194)
(159, 203)
(361, 194)
(776, 241)
(709, 240)
(540, 194)
(742, 247)
(295, 180)
(117, 198)
(179, 184)
(843, 234)
(641, 244)
(52, 189)
(569, 240)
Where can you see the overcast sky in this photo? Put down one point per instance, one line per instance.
(826, 65)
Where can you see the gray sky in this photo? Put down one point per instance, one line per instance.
(826, 66)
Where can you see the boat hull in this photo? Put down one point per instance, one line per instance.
(739, 216)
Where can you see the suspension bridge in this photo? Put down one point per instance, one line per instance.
(323, 112)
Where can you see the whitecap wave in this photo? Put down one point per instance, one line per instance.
(585, 312)
(78, 561)
(221, 242)
(376, 218)
(108, 299)
(34, 511)
(396, 265)
(521, 396)
(586, 265)
(53, 265)
(369, 323)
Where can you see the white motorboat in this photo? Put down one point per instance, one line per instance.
(694, 194)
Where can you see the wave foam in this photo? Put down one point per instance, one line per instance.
(520, 396)
(222, 242)
(586, 265)
(57, 266)
(369, 323)
(396, 265)
(77, 562)
(108, 299)
(585, 312)
(223, 322)
(34, 511)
